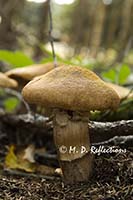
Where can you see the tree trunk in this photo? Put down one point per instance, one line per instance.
(8, 35)
(97, 29)
(125, 21)
(124, 36)
(112, 23)
(79, 29)
(42, 33)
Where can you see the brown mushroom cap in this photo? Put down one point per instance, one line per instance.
(29, 72)
(121, 91)
(71, 88)
(7, 82)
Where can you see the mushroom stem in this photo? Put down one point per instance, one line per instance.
(73, 145)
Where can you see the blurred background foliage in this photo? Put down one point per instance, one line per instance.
(89, 32)
(96, 34)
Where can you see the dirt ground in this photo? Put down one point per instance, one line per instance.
(111, 180)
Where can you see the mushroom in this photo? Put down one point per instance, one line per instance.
(72, 92)
(123, 92)
(24, 74)
(7, 82)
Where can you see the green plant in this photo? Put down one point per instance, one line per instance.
(118, 75)
(11, 104)
(15, 59)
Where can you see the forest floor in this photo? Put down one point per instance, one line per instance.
(112, 177)
(111, 180)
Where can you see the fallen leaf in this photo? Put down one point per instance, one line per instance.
(14, 160)
(29, 153)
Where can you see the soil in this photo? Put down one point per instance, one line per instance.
(111, 180)
(112, 177)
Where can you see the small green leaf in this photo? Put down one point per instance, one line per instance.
(15, 59)
(124, 72)
(111, 75)
(10, 104)
(118, 75)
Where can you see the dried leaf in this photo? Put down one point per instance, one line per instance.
(15, 160)
(29, 153)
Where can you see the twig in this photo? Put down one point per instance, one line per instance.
(124, 141)
(50, 33)
(131, 90)
(24, 174)
(19, 96)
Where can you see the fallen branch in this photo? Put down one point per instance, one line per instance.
(28, 175)
(99, 131)
(121, 141)
(102, 131)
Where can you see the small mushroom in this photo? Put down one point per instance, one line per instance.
(72, 92)
(7, 82)
(25, 74)
(123, 92)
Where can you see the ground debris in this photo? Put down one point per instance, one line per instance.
(112, 180)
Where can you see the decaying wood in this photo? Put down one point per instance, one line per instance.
(102, 131)
(121, 141)
(99, 131)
